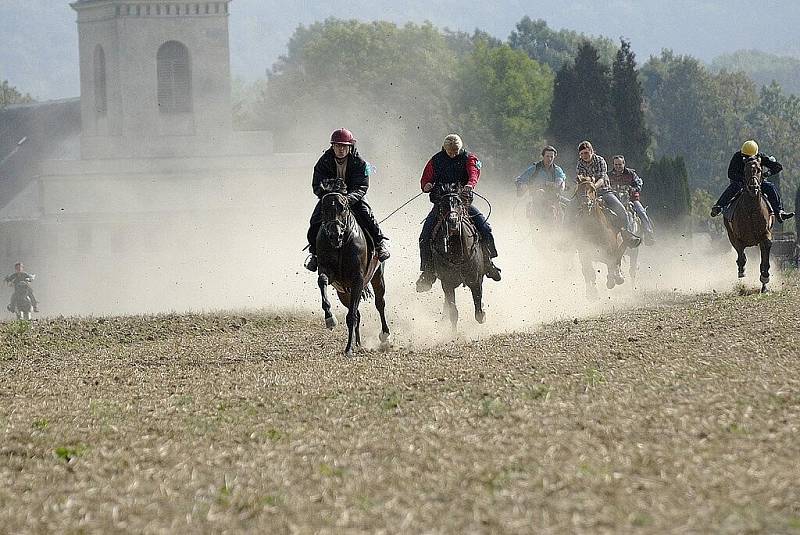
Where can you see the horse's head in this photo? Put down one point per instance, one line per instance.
(752, 177)
(335, 214)
(450, 207)
(586, 194)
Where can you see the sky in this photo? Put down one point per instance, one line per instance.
(39, 53)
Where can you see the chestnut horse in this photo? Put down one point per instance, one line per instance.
(597, 237)
(749, 222)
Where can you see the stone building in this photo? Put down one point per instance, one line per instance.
(150, 175)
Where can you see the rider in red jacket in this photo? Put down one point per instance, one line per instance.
(453, 165)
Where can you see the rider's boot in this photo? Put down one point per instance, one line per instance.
(489, 252)
(783, 216)
(382, 250)
(10, 307)
(631, 240)
(311, 262)
(716, 210)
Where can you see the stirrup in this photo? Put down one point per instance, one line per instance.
(716, 210)
(783, 216)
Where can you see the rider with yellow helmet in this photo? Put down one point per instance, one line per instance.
(770, 167)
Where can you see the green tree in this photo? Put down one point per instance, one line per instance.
(581, 102)
(555, 48)
(11, 95)
(667, 193)
(627, 103)
(763, 68)
(505, 102)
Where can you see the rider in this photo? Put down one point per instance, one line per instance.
(625, 177)
(594, 166)
(19, 275)
(341, 169)
(770, 167)
(544, 172)
(453, 165)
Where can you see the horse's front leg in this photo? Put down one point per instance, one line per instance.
(352, 315)
(741, 260)
(765, 247)
(477, 299)
(589, 275)
(330, 319)
(450, 303)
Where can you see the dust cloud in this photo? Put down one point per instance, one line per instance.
(251, 259)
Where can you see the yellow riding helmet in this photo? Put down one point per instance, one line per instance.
(749, 148)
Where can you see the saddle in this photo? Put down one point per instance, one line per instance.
(730, 210)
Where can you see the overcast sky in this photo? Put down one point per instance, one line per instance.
(39, 53)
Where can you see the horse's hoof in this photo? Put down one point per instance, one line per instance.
(384, 337)
(331, 322)
(764, 279)
(619, 279)
(741, 274)
(764, 289)
(610, 283)
(349, 353)
(480, 316)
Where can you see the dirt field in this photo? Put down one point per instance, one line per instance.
(679, 416)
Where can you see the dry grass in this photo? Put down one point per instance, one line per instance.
(680, 417)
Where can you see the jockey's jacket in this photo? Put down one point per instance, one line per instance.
(464, 169)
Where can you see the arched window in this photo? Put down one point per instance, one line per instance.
(174, 78)
(100, 101)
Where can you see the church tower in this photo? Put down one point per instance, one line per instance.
(155, 78)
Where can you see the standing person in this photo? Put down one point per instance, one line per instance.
(19, 275)
(341, 169)
(594, 166)
(453, 165)
(769, 165)
(625, 177)
(545, 172)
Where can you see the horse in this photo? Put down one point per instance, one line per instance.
(597, 237)
(636, 226)
(348, 263)
(457, 254)
(21, 304)
(749, 222)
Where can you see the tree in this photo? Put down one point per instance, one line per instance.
(581, 102)
(555, 48)
(627, 103)
(504, 102)
(10, 95)
(763, 68)
(667, 193)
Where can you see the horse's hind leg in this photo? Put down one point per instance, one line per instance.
(379, 286)
(477, 299)
(765, 247)
(589, 276)
(330, 319)
(353, 316)
(450, 304)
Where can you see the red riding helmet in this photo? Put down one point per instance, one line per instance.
(343, 136)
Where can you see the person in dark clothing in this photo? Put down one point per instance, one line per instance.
(621, 177)
(769, 166)
(19, 275)
(453, 165)
(341, 169)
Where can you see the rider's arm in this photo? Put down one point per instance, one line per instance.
(736, 168)
(522, 180)
(636, 182)
(319, 176)
(359, 183)
(473, 170)
(561, 178)
(427, 175)
(771, 163)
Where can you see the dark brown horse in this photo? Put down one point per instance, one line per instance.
(347, 262)
(749, 221)
(457, 254)
(597, 238)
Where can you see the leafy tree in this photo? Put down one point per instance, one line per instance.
(667, 193)
(627, 103)
(555, 48)
(505, 102)
(10, 95)
(763, 68)
(581, 102)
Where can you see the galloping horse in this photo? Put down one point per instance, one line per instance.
(598, 239)
(347, 262)
(749, 221)
(457, 254)
(624, 195)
